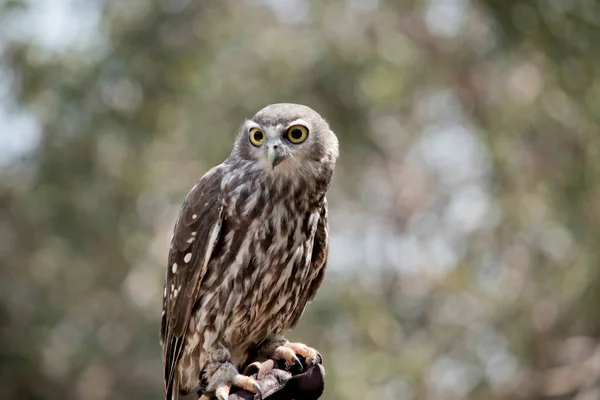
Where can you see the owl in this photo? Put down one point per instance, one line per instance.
(248, 252)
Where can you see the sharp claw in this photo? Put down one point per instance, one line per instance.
(258, 389)
(318, 359)
(222, 393)
(298, 363)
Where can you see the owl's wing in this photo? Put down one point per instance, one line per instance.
(318, 261)
(195, 235)
(320, 251)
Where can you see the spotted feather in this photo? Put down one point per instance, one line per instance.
(195, 235)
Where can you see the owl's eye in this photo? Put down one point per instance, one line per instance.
(297, 134)
(257, 137)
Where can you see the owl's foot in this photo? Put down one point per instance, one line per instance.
(289, 350)
(223, 377)
(282, 349)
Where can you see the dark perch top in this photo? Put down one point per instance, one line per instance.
(281, 383)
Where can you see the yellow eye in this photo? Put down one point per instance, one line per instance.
(257, 137)
(297, 134)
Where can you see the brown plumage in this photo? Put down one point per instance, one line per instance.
(248, 252)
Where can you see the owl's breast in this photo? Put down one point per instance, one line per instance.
(257, 278)
(276, 270)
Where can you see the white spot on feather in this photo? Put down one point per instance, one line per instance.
(187, 257)
(194, 216)
(174, 269)
(193, 233)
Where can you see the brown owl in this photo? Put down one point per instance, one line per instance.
(248, 253)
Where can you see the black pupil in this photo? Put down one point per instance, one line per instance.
(258, 136)
(296, 133)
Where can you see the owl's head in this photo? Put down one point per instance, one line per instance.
(287, 138)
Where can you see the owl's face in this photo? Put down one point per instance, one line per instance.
(287, 138)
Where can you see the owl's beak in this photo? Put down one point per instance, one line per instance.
(274, 156)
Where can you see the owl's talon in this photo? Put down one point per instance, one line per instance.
(222, 377)
(298, 363)
(316, 360)
(248, 384)
(222, 392)
(311, 356)
(289, 352)
(258, 390)
(285, 353)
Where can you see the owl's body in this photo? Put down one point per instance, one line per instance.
(249, 248)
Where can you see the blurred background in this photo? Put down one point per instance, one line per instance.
(465, 208)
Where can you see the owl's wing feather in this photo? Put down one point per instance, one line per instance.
(318, 261)
(195, 235)
(320, 251)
